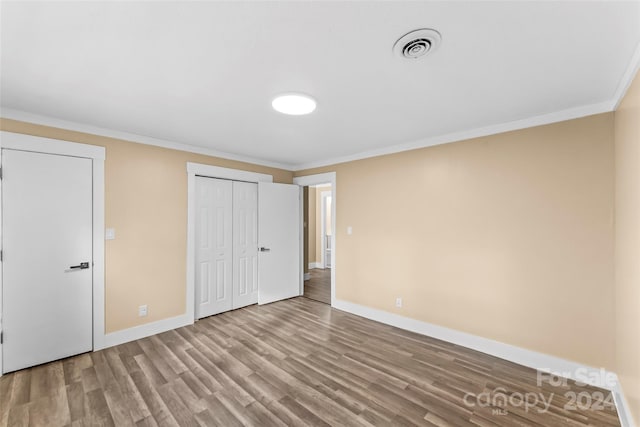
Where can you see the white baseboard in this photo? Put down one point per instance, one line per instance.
(313, 265)
(532, 359)
(624, 410)
(143, 331)
(307, 276)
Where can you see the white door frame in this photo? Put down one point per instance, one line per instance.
(209, 171)
(322, 178)
(18, 141)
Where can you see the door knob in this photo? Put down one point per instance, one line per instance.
(263, 249)
(81, 266)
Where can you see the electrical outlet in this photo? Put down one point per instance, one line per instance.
(142, 310)
(399, 302)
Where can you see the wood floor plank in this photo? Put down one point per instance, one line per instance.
(51, 409)
(115, 363)
(75, 401)
(156, 405)
(118, 406)
(294, 362)
(98, 407)
(45, 378)
(136, 405)
(19, 416)
(183, 416)
(222, 378)
(220, 413)
(147, 422)
(302, 413)
(73, 367)
(90, 379)
(6, 385)
(21, 388)
(318, 287)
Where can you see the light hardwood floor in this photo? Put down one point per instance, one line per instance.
(295, 362)
(318, 287)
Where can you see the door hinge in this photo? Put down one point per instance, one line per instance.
(1, 337)
(0, 173)
(0, 254)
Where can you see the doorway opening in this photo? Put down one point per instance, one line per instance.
(318, 246)
(317, 243)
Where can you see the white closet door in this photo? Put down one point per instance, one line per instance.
(214, 246)
(245, 244)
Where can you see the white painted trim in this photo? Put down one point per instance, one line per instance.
(559, 116)
(313, 265)
(198, 169)
(146, 330)
(38, 119)
(627, 78)
(320, 178)
(16, 141)
(99, 315)
(19, 141)
(1, 266)
(303, 275)
(622, 406)
(190, 309)
(227, 173)
(324, 178)
(521, 356)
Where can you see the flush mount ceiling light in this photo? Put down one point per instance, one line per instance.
(295, 104)
(417, 44)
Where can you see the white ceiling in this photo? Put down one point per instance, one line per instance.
(204, 73)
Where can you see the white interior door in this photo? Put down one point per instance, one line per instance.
(214, 246)
(279, 241)
(245, 244)
(47, 250)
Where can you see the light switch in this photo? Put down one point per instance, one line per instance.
(110, 234)
(349, 230)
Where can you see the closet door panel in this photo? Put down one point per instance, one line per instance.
(245, 244)
(214, 246)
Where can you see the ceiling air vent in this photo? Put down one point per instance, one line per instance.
(417, 44)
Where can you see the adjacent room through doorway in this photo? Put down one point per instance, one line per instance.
(317, 242)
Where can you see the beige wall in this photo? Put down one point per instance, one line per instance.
(146, 202)
(509, 237)
(627, 247)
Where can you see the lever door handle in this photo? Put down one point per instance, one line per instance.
(81, 266)
(263, 249)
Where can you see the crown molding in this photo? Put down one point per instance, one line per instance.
(23, 116)
(559, 116)
(627, 78)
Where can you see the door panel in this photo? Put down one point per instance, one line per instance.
(245, 244)
(213, 246)
(47, 229)
(279, 233)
